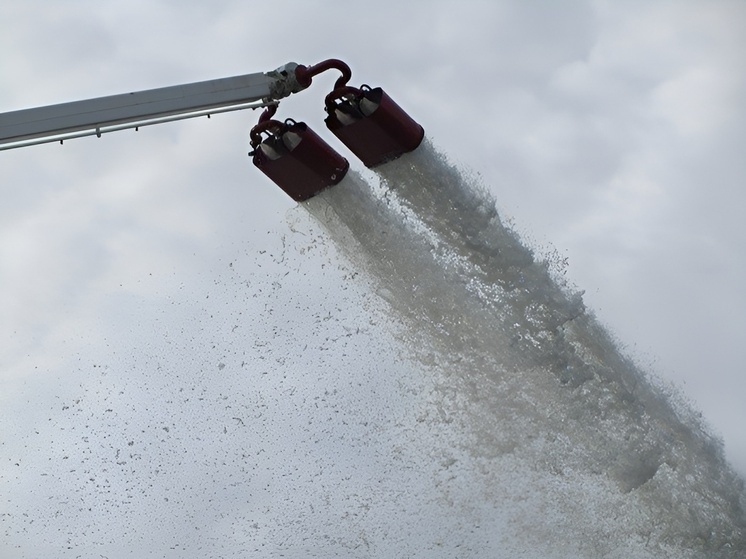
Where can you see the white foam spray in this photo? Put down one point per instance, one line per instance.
(574, 449)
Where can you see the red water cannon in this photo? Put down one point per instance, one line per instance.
(371, 124)
(365, 119)
(295, 157)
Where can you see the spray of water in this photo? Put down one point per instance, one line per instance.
(574, 448)
(441, 393)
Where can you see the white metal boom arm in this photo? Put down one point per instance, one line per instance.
(131, 110)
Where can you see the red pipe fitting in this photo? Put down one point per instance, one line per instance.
(304, 74)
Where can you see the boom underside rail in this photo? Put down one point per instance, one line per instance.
(104, 128)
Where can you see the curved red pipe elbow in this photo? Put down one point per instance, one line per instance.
(304, 74)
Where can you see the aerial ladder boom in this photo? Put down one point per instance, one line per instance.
(132, 110)
(364, 119)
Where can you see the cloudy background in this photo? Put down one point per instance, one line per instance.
(611, 134)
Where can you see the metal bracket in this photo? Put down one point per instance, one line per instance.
(285, 82)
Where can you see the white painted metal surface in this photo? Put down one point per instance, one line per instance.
(142, 108)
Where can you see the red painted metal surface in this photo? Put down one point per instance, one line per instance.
(296, 158)
(371, 124)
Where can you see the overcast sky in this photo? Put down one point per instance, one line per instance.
(609, 132)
